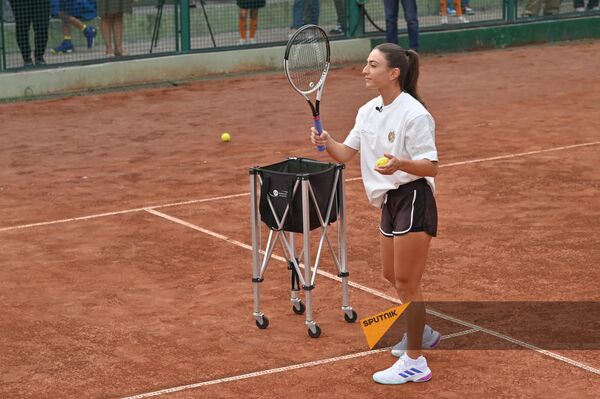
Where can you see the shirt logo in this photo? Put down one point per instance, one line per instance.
(391, 136)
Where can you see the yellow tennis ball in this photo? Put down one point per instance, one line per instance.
(225, 137)
(382, 161)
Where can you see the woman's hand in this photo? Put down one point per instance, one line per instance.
(393, 165)
(319, 140)
(420, 167)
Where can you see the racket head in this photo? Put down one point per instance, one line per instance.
(306, 59)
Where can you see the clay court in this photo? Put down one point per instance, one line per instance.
(125, 235)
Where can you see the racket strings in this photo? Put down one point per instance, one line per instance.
(307, 59)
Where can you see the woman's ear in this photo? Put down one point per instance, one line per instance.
(395, 74)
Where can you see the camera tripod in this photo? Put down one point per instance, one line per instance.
(157, 21)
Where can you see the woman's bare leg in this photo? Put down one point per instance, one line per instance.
(410, 257)
(105, 29)
(118, 33)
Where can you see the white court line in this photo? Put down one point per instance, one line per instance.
(520, 154)
(99, 215)
(256, 374)
(278, 370)
(500, 157)
(518, 342)
(198, 228)
(133, 210)
(379, 294)
(508, 156)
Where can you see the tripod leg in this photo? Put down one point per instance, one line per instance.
(156, 30)
(208, 24)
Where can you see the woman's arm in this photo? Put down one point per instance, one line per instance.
(338, 151)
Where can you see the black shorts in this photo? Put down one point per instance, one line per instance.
(409, 208)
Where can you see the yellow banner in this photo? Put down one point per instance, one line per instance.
(375, 327)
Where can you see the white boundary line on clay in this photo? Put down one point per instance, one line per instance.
(472, 327)
(197, 201)
(379, 294)
(277, 370)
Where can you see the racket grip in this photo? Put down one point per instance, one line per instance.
(319, 126)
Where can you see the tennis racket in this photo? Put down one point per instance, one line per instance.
(306, 63)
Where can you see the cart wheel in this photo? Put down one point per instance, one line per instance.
(300, 309)
(317, 332)
(264, 324)
(351, 319)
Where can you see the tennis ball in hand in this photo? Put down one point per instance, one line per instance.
(381, 162)
(225, 137)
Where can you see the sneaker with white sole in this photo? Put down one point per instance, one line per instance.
(431, 339)
(65, 47)
(468, 10)
(337, 30)
(404, 370)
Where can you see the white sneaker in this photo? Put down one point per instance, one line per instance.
(444, 20)
(463, 19)
(404, 370)
(242, 42)
(431, 339)
(252, 40)
(580, 9)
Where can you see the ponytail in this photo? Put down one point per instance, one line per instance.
(411, 76)
(408, 63)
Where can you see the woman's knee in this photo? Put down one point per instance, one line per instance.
(407, 290)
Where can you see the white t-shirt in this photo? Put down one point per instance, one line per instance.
(404, 129)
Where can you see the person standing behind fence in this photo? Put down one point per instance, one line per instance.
(592, 5)
(312, 10)
(67, 9)
(391, 8)
(304, 12)
(340, 12)
(111, 21)
(252, 6)
(36, 13)
(533, 7)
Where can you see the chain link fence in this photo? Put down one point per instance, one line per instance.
(40, 33)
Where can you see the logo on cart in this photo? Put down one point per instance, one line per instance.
(277, 193)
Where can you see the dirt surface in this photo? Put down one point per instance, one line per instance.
(103, 299)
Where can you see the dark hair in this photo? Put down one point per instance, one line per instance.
(408, 63)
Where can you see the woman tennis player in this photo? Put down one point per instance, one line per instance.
(397, 126)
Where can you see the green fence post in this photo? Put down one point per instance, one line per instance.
(185, 26)
(176, 6)
(511, 10)
(2, 49)
(355, 18)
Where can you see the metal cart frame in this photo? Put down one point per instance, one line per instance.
(260, 257)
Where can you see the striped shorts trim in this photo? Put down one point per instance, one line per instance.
(409, 208)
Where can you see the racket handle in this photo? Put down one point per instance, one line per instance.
(319, 126)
